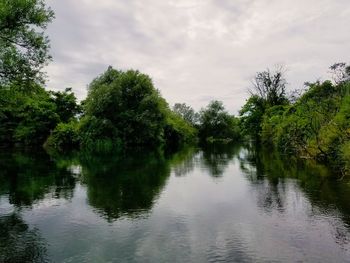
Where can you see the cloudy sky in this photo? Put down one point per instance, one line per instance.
(197, 50)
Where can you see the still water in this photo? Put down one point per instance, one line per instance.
(218, 204)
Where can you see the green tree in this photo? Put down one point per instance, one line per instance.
(187, 113)
(269, 90)
(130, 103)
(36, 118)
(23, 45)
(26, 118)
(270, 86)
(217, 124)
(66, 104)
(252, 115)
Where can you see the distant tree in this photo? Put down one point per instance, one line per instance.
(186, 112)
(217, 123)
(23, 45)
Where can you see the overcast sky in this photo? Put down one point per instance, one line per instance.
(197, 50)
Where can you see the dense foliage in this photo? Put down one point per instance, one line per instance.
(269, 90)
(23, 45)
(316, 125)
(217, 125)
(122, 109)
(129, 104)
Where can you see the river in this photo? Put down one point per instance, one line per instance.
(214, 204)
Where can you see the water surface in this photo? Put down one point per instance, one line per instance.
(217, 204)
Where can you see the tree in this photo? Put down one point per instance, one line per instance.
(36, 118)
(186, 112)
(129, 103)
(26, 118)
(269, 90)
(23, 45)
(66, 104)
(252, 115)
(270, 87)
(216, 123)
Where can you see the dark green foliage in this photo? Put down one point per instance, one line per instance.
(217, 124)
(98, 134)
(64, 136)
(23, 45)
(66, 104)
(27, 113)
(129, 103)
(26, 119)
(37, 117)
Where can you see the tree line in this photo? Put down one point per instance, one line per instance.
(314, 124)
(123, 109)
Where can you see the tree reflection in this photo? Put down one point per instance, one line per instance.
(126, 184)
(216, 157)
(28, 177)
(19, 243)
(184, 161)
(269, 183)
(268, 171)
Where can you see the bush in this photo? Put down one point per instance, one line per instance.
(97, 134)
(64, 136)
(178, 131)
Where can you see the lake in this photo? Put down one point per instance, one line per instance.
(213, 204)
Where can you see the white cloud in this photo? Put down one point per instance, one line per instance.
(196, 50)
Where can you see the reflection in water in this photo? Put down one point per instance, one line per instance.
(120, 185)
(216, 157)
(271, 175)
(129, 185)
(171, 207)
(28, 177)
(18, 243)
(184, 161)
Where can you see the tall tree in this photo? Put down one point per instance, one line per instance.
(268, 90)
(23, 44)
(270, 86)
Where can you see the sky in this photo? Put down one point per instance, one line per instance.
(197, 50)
